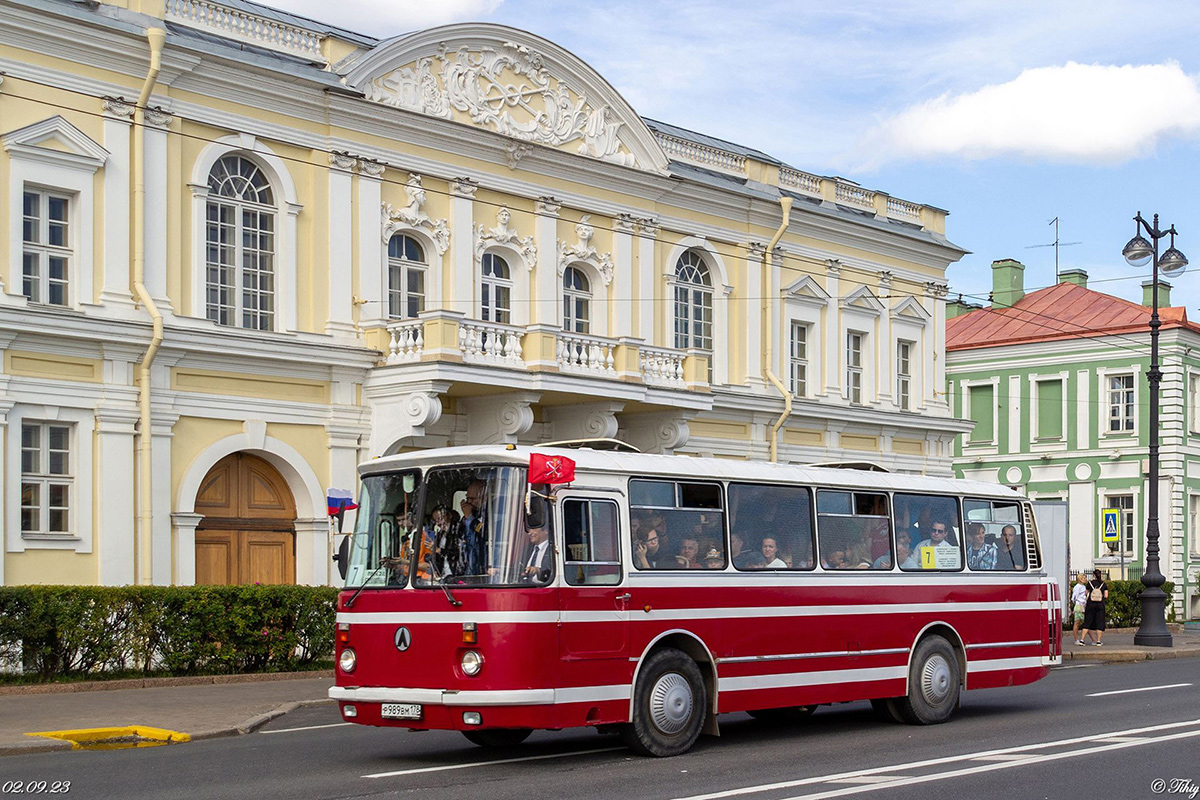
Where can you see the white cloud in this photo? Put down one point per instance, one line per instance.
(1073, 113)
(384, 18)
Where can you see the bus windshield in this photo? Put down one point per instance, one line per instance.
(475, 532)
(380, 549)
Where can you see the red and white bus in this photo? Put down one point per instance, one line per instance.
(652, 593)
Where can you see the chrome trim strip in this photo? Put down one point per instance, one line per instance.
(988, 645)
(794, 656)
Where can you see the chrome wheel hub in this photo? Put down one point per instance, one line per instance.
(671, 703)
(935, 680)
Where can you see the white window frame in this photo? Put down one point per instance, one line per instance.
(1193, 402)
(1129, 518)
(1035, 407)
(805, 303)
(403, 266)
(44, 479)
(1194, 525)
(68, 169)
(572, 296)
(855, 356)
(904, 373)
(718, 357)
(83, 425)
(493, 283)
(287, 211)
(798, 361)
(911, 322)
(986, 446)
(267, 302)
(40, 246)
(1104, 376)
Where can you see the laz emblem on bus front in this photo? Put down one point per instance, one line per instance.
(403, 639)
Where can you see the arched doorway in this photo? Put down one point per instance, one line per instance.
(247, 534)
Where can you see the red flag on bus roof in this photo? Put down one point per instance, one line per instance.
(550, 469)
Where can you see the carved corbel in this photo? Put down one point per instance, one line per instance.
(499, 420)
(656, 432)
(590, 421)
(514, 152)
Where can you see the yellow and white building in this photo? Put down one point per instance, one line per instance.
(358, 246)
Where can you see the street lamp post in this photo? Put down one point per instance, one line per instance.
(1153, 630)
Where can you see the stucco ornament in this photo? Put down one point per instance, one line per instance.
(503, 234)
(583, 250)
(414, 216)
(510, 90)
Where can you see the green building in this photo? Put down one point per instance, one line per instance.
(1055, 381)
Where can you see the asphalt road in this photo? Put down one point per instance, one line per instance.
(1049, 740)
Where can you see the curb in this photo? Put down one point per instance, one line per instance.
(1117, 656)
(154, 683)
(254, 723)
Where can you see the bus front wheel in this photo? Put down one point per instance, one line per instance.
(498, 737)
(669, 704)
(934, 681)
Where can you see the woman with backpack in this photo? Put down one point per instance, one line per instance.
(1093, 612)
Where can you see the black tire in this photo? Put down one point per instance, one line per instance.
(784, 715)
(498, 737)
(669, 705)
(885, 709)
(934, 682)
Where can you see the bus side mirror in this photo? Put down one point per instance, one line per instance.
(342, 557)
(537, 513)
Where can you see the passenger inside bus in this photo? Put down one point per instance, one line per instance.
(689, 553)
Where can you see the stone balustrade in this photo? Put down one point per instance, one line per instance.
(491, 343)
(591, 355)
(249, 28)
(662, 367)
(406, 341)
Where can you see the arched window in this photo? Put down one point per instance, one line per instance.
(577, 301)
(240, 252)
(693, 303)
(406, 277)
(495, 295)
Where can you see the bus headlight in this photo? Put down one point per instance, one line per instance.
(472, 662)
(348, 660)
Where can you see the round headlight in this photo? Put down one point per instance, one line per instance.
(347, 660)
(472, 662)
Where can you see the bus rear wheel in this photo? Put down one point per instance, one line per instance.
(498, 737)
(669, 704)
(934, 681)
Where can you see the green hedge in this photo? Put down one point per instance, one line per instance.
(1124, 606)
(58, 632)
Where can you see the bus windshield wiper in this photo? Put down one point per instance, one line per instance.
(441, 582)
(382, 563)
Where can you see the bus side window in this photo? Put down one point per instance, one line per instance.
(591, 543)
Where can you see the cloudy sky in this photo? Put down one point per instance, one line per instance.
(1006, 113)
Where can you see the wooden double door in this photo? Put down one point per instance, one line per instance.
(248, 533)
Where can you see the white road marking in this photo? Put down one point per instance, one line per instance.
(1139, 689)
(447, 767)
(309, 727)
(909, 766)
(1075, 666)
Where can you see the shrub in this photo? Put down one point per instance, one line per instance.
(1124, 606)
(72, 631)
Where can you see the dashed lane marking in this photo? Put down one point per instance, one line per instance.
(446, 767)
(309, 727)
(1139, 689)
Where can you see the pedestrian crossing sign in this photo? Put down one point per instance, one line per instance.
(1110, 525)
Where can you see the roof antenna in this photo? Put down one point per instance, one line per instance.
(1055, 244)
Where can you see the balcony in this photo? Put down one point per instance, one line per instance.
(448, 338)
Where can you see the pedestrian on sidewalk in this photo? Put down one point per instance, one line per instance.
(1078, 602)
(1093, 612)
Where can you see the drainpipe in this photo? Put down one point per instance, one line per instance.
(786, 203)
(156, 38)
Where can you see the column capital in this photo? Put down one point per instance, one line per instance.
(117, 108)
(547, 206)
(371, 168)
(464, 187)
(625, 223)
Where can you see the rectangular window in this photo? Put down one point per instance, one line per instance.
(1194, 403)
(799, 359)
(983, 403)
(853, 530)
(46, 247)
(1050, 409)
(1125, 503)
(904, 375)
(770, 527)
(590, 537)
(1194, 523)
(927, 533)
(46, 478)
(406, 290)
(854, 363)
(1120, 403)
(1003, 527)
(684, 519)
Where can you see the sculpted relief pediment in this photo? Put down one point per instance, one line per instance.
(510, 87)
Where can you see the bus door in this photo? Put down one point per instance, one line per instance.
(593, 600)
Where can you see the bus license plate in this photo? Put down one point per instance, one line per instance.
(401, 711)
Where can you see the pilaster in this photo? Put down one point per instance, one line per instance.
(314, 554)
(371, 294)
(185, 546)
(834, 344)
(157, 202)
(114, 284)
(460, 289)
(753, 318)
(621, 317)
(647, 269)
(341, 234)
(546, 282)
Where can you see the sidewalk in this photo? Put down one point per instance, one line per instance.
(231, 708)
(201, 711)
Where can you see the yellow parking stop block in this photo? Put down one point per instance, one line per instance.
(112, 738)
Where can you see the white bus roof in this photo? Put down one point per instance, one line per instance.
(643, 464)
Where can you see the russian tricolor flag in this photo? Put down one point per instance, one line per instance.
(338, 502)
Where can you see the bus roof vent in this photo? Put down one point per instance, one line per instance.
(614, 445)
(865, 466)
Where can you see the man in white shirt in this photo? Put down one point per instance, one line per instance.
(538, 562)
(937, 538)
